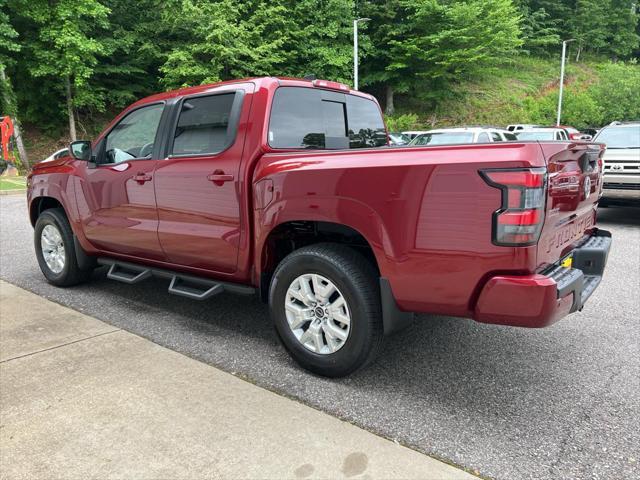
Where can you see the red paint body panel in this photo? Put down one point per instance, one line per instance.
(523, 301)
(118, 213)
(426, 212)
(197, 214)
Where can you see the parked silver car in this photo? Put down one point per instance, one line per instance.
(542, 133)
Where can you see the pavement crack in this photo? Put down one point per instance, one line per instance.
(60, 346)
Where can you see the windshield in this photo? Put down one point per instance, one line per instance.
(536, 135)
(399, 138)
(443, 138)
(620, 137)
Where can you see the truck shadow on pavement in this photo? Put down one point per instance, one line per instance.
(454, 362)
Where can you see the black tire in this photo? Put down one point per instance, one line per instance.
(71, 274)
(357, 280)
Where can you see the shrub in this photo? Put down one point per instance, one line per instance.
(400, 123)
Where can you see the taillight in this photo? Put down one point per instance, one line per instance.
(519, 220)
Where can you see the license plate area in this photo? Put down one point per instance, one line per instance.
(567, 262)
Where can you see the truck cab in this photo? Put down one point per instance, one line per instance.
(287, 189)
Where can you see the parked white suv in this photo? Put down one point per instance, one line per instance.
(521, 126)
(621, 179)
(448, 136)
(542, 133)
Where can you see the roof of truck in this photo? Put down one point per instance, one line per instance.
(259, 82)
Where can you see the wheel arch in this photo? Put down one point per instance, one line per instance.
(40, 204)
(292, 235)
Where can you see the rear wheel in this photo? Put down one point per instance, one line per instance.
(325, 303)
(55, 249)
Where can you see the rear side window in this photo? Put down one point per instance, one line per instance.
(366, 127)
(320, 119)
(495, 136)
(203, 125)
(483, 138)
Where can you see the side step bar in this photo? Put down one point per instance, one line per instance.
(195, 288)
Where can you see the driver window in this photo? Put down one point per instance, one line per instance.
(133, 137)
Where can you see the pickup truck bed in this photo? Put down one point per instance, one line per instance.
(286, 188)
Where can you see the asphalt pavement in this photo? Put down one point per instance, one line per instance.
(561, 402)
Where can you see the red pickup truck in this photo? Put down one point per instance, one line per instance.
(287, 189)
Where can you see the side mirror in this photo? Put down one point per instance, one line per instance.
(81, 150)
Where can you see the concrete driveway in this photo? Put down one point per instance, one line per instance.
(82, 399)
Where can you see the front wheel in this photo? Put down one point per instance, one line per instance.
(325, 303)
(55, 249)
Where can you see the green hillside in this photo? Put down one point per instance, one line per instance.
(525, 90)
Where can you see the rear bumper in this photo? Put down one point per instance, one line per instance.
(539, 300)
(621, 191)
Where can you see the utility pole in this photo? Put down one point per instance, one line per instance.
(564, 56)
(355, 50)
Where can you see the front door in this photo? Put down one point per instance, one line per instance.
(198, 185)
(117, 200)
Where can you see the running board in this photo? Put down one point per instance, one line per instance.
(195, 288)
(131, 274)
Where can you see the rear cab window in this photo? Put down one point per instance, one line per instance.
(312, 118)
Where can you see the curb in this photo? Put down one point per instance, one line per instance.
(13, 192)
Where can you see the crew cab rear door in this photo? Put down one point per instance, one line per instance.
(198, 189)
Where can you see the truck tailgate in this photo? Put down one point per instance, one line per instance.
(574, 188)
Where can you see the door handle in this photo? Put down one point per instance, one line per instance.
(141, 178)
(219, 177)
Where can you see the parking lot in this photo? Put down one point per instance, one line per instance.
(563, 402)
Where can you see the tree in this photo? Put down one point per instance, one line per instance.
(540, 32)
(589, 24)
(222, 39)
(622, 36)
(320, 40)
(63, 46)
(387, 25)
(9, 46)
(433, 42)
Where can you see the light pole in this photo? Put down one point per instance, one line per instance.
(564, 54)
(355, 50)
